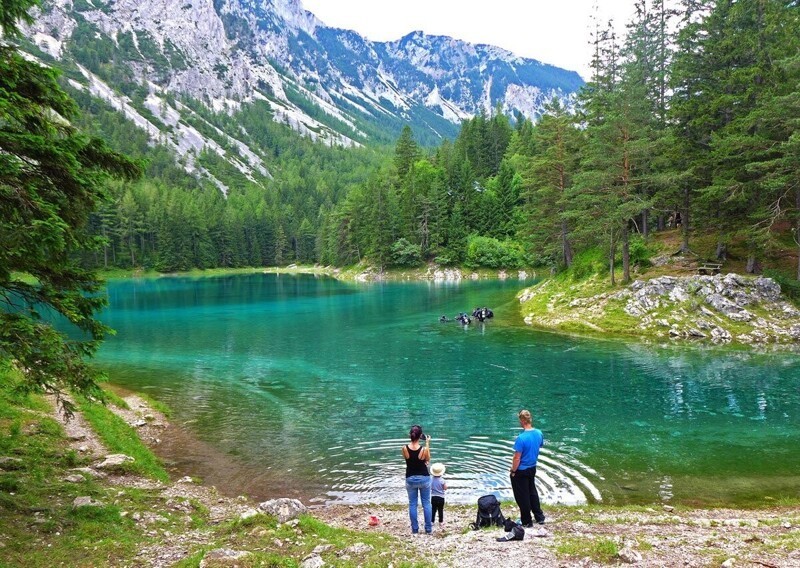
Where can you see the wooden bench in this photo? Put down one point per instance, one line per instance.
(709, 268)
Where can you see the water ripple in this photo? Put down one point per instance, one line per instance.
(373, 472)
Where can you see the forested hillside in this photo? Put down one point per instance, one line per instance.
(691, 122)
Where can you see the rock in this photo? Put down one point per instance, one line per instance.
(767, 288)
(185, 479)
(10, 464)
(76, 437)
(320, 548)
(248, 513)
(741, 315)
(669, 508)
(629, 556)
(729, 563)
(722, 304)
(358, 548)
(284, 509)
(85, 471)
(74, 478)
(85, 502)
(678, 294)
(139, 423)
(114, 461)
(312, 561)
(137, 516)
(719, 334)
(223, 557)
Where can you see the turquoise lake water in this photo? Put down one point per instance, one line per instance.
(307, 386)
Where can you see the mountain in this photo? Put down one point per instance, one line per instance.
(159, 61)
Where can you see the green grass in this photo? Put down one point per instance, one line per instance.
(120, 438)
(262, 531)
(115, 399)
(155, 404)
(603, 550)
(39, 527)
(38, 524)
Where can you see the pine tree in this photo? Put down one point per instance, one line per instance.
(547, 181)
(51, 180)
(406, 152)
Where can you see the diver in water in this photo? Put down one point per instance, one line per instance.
(443, 319)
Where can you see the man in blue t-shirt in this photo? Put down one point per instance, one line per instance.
(523, 470)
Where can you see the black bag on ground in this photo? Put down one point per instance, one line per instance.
(489, 514)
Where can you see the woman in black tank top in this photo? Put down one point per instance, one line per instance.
(418, 480)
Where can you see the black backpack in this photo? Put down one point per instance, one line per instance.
(489, 514)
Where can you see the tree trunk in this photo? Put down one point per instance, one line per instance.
(751, 263)
(645, 223)
(626, 255)
(685, 221)
(566, 248)
(105, 250)
(661, 223)
(612, 249)
(722, 250)
(797, 236)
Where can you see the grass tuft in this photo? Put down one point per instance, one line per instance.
(121, 438)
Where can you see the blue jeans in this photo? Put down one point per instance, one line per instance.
(421, 484)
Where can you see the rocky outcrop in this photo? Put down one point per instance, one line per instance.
(720, 308)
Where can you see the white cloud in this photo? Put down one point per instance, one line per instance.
(552, 32)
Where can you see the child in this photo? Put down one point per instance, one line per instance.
(438, 487)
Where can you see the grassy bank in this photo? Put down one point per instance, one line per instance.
(132, 525)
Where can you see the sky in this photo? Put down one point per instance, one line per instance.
(552, 31)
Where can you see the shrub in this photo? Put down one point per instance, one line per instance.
(491, 253)
(404, 253)
(588, 263)
(640, 252)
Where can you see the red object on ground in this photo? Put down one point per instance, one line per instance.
(374, 521)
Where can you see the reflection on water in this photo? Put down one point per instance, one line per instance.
(310, 384)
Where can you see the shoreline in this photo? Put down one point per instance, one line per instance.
(580, 535)
(132, 519)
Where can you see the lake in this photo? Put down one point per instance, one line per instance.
(285, 385)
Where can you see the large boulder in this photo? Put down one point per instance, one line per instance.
(284, 509)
